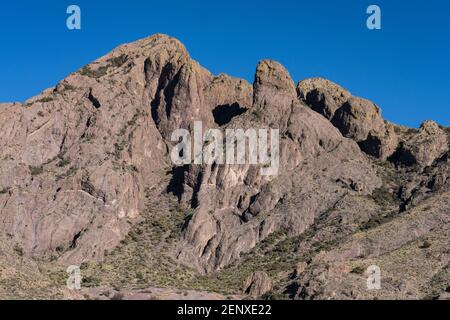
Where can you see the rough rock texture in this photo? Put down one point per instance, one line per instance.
(323, 96)
(424, 147)
(299, 269)
(356, 118)
(236, 207)
(411, 251)
(86, 178)
(257, 284)
(77, 158)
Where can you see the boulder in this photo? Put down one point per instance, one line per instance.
(423, 147)
(323, 96)
(360, 120)
(299, 269)
(257, 284)
(356, 118)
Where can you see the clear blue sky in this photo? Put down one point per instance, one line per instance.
(405, 67)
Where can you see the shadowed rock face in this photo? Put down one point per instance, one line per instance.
(235, 205)
(323, 96)
(86, 162)
(356, 118)
(257, 285)
(424, 147)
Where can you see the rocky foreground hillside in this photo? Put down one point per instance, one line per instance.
(86, 179)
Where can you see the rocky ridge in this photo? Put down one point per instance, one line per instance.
(86, 178)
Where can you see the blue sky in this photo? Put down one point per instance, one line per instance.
(404, 68)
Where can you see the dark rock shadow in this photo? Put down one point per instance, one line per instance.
(402, 157)
(224, 113)
(292, 290)
(176, 184)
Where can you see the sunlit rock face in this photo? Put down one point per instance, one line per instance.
(85, 163)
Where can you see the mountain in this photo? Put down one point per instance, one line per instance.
(86, 178)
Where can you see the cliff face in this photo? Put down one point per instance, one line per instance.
(86, 177)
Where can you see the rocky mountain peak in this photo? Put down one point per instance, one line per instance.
(86, 177)
(274, 92)
(272, 74)
(322, 95)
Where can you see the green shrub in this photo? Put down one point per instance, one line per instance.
(4, 190)
(257, 114)
(118, 61)
(35, 171)
(18, 249)
(68, 87)
(90, 281)
(63, 162)
(384, 197)
(45, 99)
(358, 270)
(98, 73)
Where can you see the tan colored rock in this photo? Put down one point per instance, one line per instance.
(236, 206)
(85, 162)
(299, 269)
(381, 144)
(360, 120)
(273, 86)
(424, 147)
(257, 284)
(77, 158)
(445, 296)
(323, 96)
(356, 118)
(228, 97)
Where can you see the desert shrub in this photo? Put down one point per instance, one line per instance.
(63, 162)
(18, 249)
(90, 281)
(72, 170)
(101, 71)
(98, 73)
(378, 220)
(257, 114)
(357, 270)
(4, 190)
(118, 61)
(384, 197)
(68, 87)
(272, 295)
(45, 99)
(35, 171)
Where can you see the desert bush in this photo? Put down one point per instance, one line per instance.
(357, 270)
(35, 171)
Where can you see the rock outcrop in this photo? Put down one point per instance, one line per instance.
(236, 207)
(423, 147)
(257, 285)
(76, 160)
(356, 118)
(323, 96)
(86, 176)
